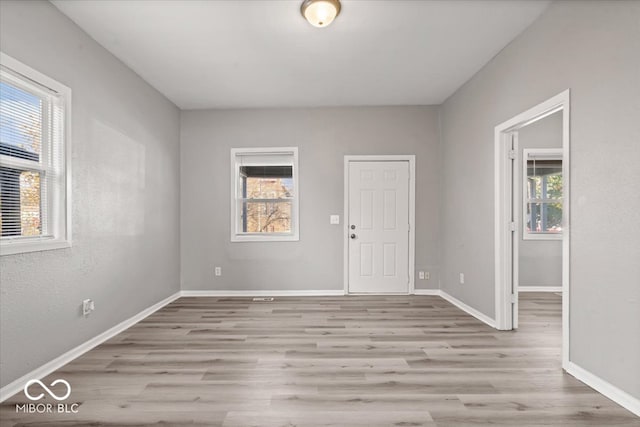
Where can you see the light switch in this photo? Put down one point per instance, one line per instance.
(334, 219)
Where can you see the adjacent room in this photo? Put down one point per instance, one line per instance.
(320, 212)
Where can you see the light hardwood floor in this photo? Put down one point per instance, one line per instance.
(329, 361)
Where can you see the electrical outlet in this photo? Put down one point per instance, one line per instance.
(218, 271)
(87, 307)
(421, 275)
(427, 275)
(462, 278)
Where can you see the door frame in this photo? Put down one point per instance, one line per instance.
(503, 212)
(411, 159)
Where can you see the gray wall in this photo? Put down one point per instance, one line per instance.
(540, 261)
(591, 47)
(125, 252)
(323, 136)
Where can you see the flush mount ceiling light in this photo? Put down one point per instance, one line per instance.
(320, 13)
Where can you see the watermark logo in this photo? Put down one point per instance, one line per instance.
(52, 394)
(47, 408)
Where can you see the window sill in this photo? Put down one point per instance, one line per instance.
(264, 238)
(17, 247)
(543, 236)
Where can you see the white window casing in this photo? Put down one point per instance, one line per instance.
(269, 214)
(46, 161)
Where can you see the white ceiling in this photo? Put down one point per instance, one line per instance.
(262, 53)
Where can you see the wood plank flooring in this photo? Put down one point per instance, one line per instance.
(328, 361)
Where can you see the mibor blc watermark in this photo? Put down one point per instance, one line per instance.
(47, 408)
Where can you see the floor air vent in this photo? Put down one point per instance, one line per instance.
(263, 299)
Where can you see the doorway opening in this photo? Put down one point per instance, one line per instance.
(379, 226)
(532, 206)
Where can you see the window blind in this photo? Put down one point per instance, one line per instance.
(265, 159)
(31, 157)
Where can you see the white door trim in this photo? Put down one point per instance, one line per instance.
(411, 159)
(503, 249)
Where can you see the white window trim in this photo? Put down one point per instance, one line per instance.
(295, 204)
(61, 217)
(551, 154)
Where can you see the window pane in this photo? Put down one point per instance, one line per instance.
(20, 123)
(267, 182)
(544, 217)
(543, 196)
(20, 203)
(265, 217)
(553, 186)
(266, 193)
(544, 179)
(267, 188)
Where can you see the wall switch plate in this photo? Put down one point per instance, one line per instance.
(87, 307)
(334, 219)
(427, 275)
(462, 278)
(218, 271)
(421, 275)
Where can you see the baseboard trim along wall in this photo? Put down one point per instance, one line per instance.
(49, 367)
(427, 292)
(462, 306)
(622, 398)
(472, 311)
(249, 293)
(539, 288)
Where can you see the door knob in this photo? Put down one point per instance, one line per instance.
(353, 236)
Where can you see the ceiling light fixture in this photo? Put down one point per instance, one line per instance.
(320, 13)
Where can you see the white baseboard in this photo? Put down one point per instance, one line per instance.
(470, 310)
(249, 293)
(427, 292)
(462, 306)
(49, 367)
(622, 398)
(539, 288)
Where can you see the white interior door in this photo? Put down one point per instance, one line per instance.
(378, 226)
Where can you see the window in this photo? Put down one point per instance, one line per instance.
(264, 195)
(542, 194)
(34, 144)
